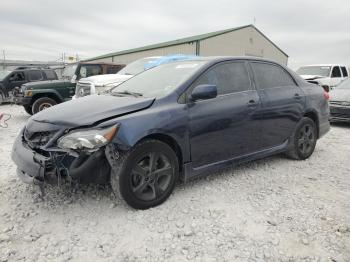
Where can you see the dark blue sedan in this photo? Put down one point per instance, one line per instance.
(176, 121)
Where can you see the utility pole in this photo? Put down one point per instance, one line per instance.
(4, 59)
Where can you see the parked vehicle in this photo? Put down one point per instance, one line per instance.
(9, 80)
(178, 120)
(37, 96)
(101, 84)
(327, 76)
(340, 102)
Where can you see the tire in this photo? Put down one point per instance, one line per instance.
(42, 103)
(133, 181)
(28, 109)
(2, 97)
(304, 140)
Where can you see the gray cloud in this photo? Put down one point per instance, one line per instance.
(309, 31)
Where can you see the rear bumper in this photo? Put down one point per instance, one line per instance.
(340, 114)
(324, 128)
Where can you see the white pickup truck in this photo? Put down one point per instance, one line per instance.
(102, 83)
(328, 76)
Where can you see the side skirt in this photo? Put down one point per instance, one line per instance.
(191, 172)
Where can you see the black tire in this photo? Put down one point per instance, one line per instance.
(28, 109)
(42, 103)
(2, 97)
(304, 140)
(133, 181)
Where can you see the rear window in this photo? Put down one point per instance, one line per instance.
(50, 74)
(112, 69)
(270, 76)
(35, 75)
(345, 72)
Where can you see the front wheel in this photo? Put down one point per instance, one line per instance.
(146, 175)
(28, 109)
(304, 140)
(42, 103)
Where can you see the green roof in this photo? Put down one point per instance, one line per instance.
(185, 40)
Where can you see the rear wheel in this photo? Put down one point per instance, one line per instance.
(304, 140)
(42, 103)
(28, 109)
(2, 97)
(146, 175)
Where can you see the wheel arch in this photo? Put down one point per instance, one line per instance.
(170, 141)
(51, 95)
(313, 115)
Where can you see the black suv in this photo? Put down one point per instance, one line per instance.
(9, 80)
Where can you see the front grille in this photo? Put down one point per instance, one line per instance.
(83, 89)
(38, 139)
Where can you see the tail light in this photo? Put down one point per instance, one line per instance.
(326, 95)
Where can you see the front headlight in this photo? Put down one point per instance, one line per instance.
(88, 139)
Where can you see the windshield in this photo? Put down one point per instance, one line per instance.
(3, 74)
(136, 67)
(159, 81)
(344, 85)
(69, 71)
(315, 70)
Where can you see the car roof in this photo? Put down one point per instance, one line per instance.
(228, 58)
(324, 65)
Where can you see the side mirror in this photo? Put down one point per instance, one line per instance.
(203, 92)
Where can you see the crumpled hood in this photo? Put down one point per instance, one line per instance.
(340, 95)
(101, 80)
(91, 109)
(311, 77)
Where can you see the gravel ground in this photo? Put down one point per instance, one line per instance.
(269, 210)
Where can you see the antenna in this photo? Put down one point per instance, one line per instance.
(254, 20)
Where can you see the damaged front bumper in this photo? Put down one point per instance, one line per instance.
(55, 165)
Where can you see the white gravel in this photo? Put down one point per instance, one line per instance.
(270, 210)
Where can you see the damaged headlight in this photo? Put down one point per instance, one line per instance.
(88, 139)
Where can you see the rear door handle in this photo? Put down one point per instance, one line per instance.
(297, 96)
(252, 103)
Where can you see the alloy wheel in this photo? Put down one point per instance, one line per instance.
(306, 139)
(151, 176)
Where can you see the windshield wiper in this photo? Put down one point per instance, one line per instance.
(135, 94)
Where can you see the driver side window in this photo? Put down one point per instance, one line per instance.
(90, 70)
(228, 77)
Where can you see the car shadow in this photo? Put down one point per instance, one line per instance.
(341, 124)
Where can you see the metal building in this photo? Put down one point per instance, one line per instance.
(240, 41)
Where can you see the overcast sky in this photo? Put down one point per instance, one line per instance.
(308, 31)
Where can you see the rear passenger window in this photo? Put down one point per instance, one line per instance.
(228, 78)
(269, 76)
(35, 75)
(345, 72)
(50, 74)
(336, 72)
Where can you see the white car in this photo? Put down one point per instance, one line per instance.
(101, 83)
(328, 76)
